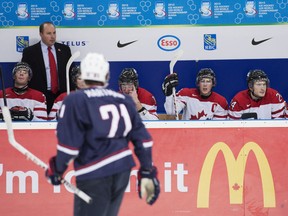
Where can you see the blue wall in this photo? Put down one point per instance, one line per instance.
(231, 75)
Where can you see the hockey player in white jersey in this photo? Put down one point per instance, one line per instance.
(79, 84)
(200, 103)
(144, 100)
(258, 101)
(94, 128)
(25, 103)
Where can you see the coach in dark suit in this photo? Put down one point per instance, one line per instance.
(38, 59)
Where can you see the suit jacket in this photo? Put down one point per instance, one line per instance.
(34, 57)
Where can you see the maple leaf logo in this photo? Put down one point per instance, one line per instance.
(236, 187)
(200, 114)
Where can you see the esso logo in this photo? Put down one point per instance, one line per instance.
(168, 42)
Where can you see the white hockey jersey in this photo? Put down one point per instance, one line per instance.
(196, 107)
(56, 106)
(33, 99)
(271, 106)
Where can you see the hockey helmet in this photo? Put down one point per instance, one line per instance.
(75, 73)
(256, 75)
(22, 65)
(129, 75)
(94, 67)
(206, 73)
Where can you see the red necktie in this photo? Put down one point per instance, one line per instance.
(53, 72)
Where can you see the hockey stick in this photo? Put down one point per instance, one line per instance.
(171, 65)
(34, 159)
(69, 63)
(196, 64)
(3, 87)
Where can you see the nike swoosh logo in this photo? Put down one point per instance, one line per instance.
(259, 42)
(121, 45)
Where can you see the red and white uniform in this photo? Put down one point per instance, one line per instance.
(33, 99)
(195, 107)
(271, 106)
(149, 103)
(286, 111)
(56, 106)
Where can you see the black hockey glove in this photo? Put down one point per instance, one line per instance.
(169, 83)
(51, 173)
(19, 113)
(148, 184)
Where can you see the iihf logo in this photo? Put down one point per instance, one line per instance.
(113, 10)
(159, 10)
(210, 42)
(205, 10)
(250, 8)
(68, 11)
(22, 11)
(21, 43)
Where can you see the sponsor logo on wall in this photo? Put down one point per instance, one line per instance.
(236, 171)
(210, 42)
(75, 43)
(255, 42)
(68, 11)
(21, 43)
(169, 43)
(159, 10)
(22, 11)
(205, 10)
(121, 44)
(113, 11)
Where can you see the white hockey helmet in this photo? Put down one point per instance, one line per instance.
(94, 67)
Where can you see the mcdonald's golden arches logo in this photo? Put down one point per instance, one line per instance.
(236, 171)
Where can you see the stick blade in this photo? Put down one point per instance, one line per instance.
(72, 59)
(33, 158)
(8, 123)
(175, 59)
(7, 115)
(68, 65)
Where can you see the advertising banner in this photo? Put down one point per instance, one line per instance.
(208, 171)
(114, 13)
